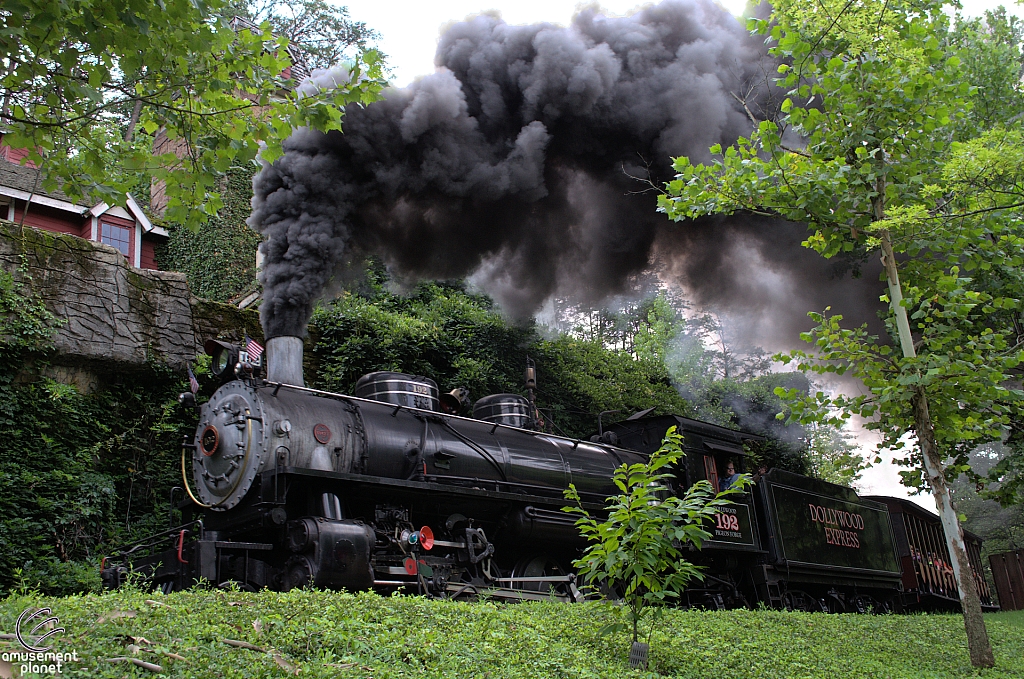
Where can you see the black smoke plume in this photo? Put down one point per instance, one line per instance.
(514, 164)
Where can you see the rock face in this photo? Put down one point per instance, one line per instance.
(115, 316)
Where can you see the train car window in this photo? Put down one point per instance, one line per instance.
(711, 471)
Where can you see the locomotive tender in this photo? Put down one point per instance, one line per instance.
(390, 489)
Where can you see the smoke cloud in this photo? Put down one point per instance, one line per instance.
(514, 164)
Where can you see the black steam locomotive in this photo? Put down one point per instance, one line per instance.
(389, 488)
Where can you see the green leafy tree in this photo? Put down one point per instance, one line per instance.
(984, 178)
(991, 50)
(833, 454)
(1001, 528)
(862, 152)
(638, 548)
(459, 339)
(325, 34)
(86, 85)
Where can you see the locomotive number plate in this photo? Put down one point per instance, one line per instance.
(322, 433)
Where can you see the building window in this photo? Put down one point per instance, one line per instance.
(118, 236)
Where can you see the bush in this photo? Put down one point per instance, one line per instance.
(638, 549)
(78, 472)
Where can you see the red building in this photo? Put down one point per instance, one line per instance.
(129, 230)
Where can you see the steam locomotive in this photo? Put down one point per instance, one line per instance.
(391, 489)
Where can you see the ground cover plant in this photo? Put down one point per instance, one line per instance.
(331, 634)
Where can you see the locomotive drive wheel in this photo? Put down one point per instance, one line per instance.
(868, 604)
(535, 567)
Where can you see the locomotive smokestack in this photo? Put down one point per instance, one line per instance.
(284, 360)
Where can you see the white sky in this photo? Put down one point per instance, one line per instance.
(409, 31)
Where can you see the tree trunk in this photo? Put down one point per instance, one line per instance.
(136, 111)
(977, 636)
(978, 644)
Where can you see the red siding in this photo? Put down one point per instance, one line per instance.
(15, 155)
(148, 254)
(60, 221)
(50, 219)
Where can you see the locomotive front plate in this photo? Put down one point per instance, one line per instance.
(228, 445)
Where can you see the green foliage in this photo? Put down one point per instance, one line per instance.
(833, 455)
(77, 471)
(87, 84)
(583, 378)
(1008, 473)
(220, 258)
(954, 367)
(638, 548)
(349, 636)
(875, 95)
(991, 52)
(723, 384)
(458, 339)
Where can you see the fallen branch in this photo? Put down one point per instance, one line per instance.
(141, 663)
(243, 644)
(115, 615)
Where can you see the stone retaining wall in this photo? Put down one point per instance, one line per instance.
(116, 317)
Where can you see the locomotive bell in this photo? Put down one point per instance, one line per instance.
(455, 400)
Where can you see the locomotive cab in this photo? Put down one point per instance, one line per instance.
(708, 452)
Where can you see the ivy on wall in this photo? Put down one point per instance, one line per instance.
(220, 258)
(79, 473)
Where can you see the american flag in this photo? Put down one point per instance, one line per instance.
(193, 383)
(254, 349)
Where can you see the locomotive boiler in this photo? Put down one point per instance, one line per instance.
(390, 488)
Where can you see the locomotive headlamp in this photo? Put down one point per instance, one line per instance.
(225, 356)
